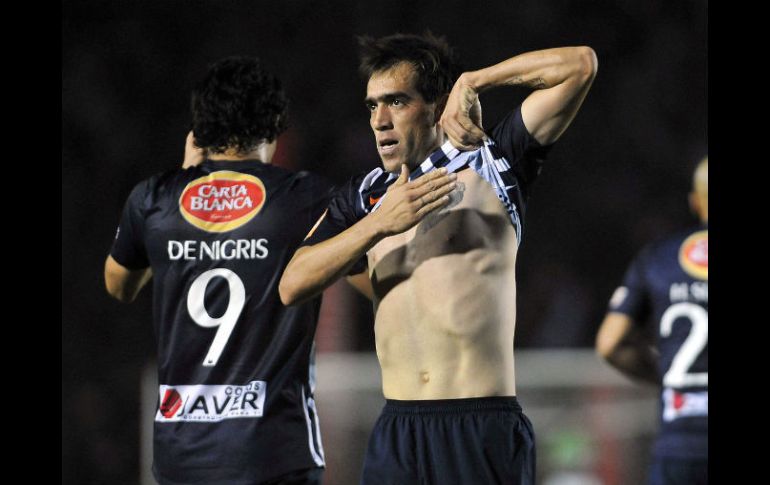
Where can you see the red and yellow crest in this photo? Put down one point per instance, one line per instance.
(222, 201)
(694, 255)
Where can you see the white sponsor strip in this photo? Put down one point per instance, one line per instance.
(211, 403)
(684, 404)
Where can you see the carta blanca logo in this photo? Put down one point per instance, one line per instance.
(210, 403)
(222, 201)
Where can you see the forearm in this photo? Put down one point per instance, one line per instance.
(541, 69)
(560, 78)
(635, 361)
(122, 283)
(314, 268)
(623, 345)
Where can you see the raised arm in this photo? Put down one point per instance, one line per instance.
(561, 78)
(193, 155)
(314, 268)
(624, 349)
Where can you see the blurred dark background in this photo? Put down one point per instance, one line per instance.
(616, 180)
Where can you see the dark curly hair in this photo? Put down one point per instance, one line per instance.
(238, 104)
(434, 62)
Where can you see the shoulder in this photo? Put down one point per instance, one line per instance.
(673, 241)
(664, 249)
(361, 182)
(305, 180)
(143, 191)
(514, 141)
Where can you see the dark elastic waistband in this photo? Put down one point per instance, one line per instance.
(431, 406)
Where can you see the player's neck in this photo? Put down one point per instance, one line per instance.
(414, 164)
(263, 152)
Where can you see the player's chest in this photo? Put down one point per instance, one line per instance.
(474, 219)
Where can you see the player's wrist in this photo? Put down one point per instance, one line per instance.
(373, 229)
(470, 80)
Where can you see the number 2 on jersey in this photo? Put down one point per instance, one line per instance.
(226, 323)
(678, 375)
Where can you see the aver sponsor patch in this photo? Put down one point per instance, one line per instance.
(211, 403)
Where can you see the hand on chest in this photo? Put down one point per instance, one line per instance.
(474, 219)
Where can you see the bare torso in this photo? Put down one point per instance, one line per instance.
(445, 300)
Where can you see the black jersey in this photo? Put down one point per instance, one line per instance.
(667, 286)
(510, 160)
(235, 366)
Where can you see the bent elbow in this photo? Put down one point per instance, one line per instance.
(120, 293)
(588, 62)
(287, 297)
(287, 291)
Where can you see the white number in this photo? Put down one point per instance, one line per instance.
(677, 375)
(226, 322)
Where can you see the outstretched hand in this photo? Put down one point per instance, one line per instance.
(461, 119)
(407, 203)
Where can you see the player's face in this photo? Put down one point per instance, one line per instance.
(404, 125)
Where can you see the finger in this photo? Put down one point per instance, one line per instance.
(403, 176)
(433, 185)
(437, 194)
(463, 132)
(193, 155)
(437, 204)
(461, 146)
(475, 114)
(474, 134)
(469, 133)
(430, 177)
(458, 142)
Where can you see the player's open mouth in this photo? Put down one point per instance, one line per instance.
(387, 146)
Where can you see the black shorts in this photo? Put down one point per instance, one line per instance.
(451, 441)
(679, 471)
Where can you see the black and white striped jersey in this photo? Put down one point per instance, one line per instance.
(510, 160)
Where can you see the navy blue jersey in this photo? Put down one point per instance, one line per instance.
(667, 286)
(235, 366)
(509, 160)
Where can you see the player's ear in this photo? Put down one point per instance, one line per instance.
(692, 198)
(440, 105)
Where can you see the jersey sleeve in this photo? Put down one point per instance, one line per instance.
(320, 191)
(632, 297)
(128, 248)
(522, 150)
(341, 213)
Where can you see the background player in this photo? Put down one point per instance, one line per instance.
(666, 287)
(236, 368)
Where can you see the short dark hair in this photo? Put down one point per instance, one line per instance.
(433, 60)
(238, 104)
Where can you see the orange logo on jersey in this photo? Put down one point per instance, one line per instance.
(222, 201)
(694, 255)
(373, 201)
